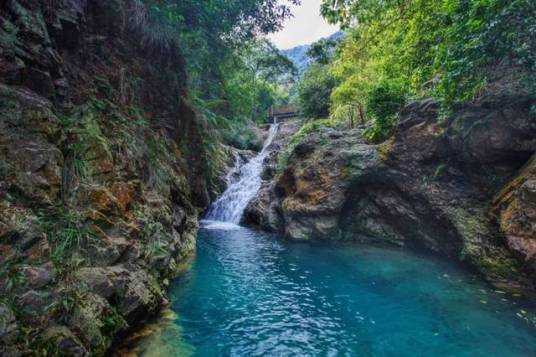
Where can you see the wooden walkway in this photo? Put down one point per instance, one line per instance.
(278, 114)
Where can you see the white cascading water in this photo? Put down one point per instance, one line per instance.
(230, 206)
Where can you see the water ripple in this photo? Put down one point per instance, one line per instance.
(249, 294)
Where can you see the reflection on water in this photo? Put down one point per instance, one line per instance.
(249, 294)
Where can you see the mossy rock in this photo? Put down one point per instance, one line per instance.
(497, 266)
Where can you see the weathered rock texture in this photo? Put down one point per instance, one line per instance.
(433, 185)
(102, 173)
(515, 207)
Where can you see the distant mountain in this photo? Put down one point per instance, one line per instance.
(298, 54)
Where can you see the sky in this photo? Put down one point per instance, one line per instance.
(305, 27)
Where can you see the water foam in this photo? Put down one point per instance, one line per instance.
(230, 206)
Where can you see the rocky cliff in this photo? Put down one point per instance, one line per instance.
(463, 187)
(102, 172)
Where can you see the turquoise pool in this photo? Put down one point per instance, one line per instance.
(251, 294)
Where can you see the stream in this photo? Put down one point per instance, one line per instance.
(250, 293)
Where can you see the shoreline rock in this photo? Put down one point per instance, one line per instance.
(434, 185)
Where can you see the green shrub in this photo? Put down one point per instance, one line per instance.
(233, 76)
(112, 322)
(384, 102)
(10, 273)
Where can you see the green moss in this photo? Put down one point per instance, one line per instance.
(482, 246)
(10, 273)
(352, 168)
(384, 149)
(242, 137)
(347, 171)
(496, 266)
(470, 225)
(46, 346)
(156, 156)
(62, 308)
(153, 232)
(87, 143)
(104, 86)
(138, 116)
(8, 35)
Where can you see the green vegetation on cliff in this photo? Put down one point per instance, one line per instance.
(454, 50)
(233, 76)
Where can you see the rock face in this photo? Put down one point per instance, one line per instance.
(515, 207)
(437, 185)
(101, 173)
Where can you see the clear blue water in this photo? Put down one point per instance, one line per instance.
(250, 294)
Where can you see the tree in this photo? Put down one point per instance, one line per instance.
(322, 51)
(221, 20)
(270, 71)
(232, 76)
(314, 91)
(267, 63)
(385, 100)
(450, 49)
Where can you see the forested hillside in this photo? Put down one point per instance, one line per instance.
(299, 54)
(397, 51)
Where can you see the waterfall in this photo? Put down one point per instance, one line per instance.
(230, 206)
